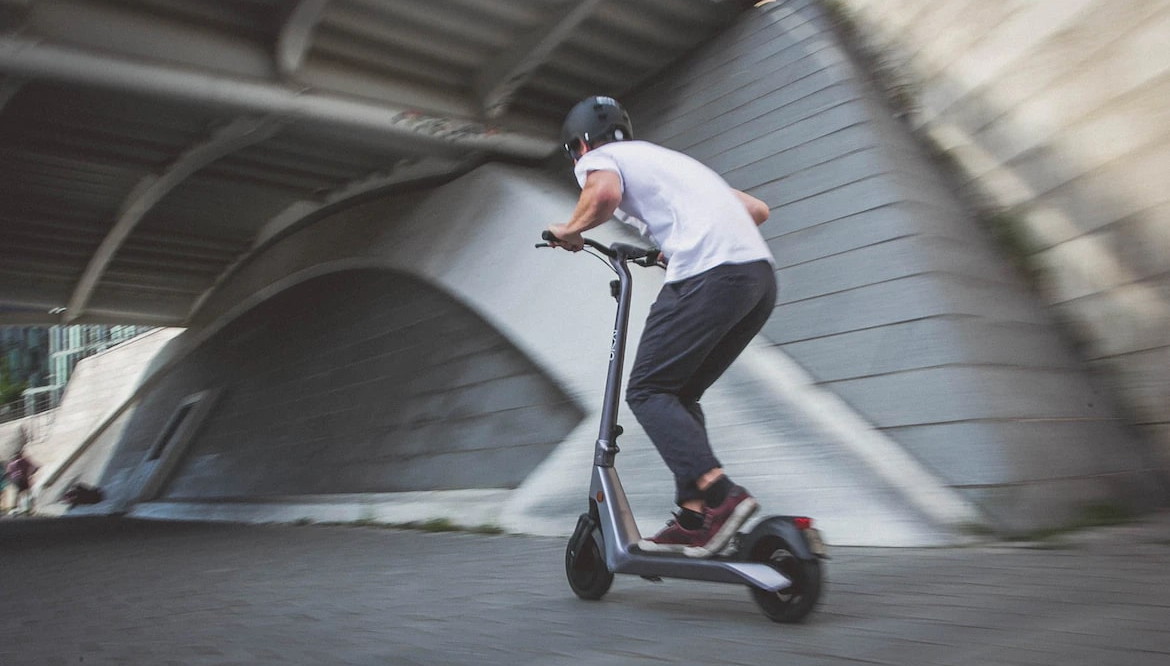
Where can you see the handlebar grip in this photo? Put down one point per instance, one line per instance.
(629, 252)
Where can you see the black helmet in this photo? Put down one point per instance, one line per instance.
(592, 121)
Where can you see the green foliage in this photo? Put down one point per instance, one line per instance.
(1105, 515)
(432, 525)
(445, 525)
(487, 529)
(10, 389)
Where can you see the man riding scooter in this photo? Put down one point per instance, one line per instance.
(719, 290)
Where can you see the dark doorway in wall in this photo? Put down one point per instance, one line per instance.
(153, 471)
(172, 427)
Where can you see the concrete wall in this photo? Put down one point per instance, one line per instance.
(359, 381)
(891, 296)
(908, 382)
(97, 391)
(368, 365)
(14, 434)
(339, 398)
(1056, 112)
(100, 384)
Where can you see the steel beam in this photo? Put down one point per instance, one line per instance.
(151, 189)
(403, 173)
(414, 129)
(296, 35)
(26, 318)
(499, 80)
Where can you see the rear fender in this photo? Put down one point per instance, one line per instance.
(782, 527)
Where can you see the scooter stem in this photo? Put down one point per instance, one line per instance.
(607, 436)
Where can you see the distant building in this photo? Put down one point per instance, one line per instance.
(25, 353)
(70, 344)
(44, 359)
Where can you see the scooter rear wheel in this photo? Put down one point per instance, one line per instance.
(586, 570)
(793, 603)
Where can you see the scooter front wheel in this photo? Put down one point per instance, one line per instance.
(585, 566)
(796, 601)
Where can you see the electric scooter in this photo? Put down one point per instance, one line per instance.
(780, 559)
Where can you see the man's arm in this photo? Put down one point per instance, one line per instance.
(756, 208)
(599, 199)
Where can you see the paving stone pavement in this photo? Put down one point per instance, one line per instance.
(110, 591)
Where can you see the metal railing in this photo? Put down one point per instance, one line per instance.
(32, 402)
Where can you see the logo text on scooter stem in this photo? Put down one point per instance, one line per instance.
(613, 345)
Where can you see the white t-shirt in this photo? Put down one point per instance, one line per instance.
(688, 210)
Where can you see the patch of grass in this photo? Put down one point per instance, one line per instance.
(486, 529)
(1098, 515)
(1046, 545)
(976, 529)
(1105, 514)
(445, 525)
(432, 525)
(1037, 535)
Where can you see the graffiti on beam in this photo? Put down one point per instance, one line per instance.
(442, 128)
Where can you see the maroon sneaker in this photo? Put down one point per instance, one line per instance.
(674, 538)
(725, 519)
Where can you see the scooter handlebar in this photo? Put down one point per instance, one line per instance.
(548, 237)
(639, 255)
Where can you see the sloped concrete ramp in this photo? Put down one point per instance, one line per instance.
(472, 241)
(798, 450)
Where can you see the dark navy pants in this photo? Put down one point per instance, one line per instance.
(695, 329)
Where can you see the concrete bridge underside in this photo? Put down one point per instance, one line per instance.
(374, 377)
(412, 357)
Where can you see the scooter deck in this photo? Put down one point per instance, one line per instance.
(715, 569)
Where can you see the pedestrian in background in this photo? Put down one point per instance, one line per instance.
(20, 471)
(4, 490)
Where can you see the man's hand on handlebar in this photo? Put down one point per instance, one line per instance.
(564, 238)
(642, 256)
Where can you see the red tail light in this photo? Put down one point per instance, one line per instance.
(802, 523)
